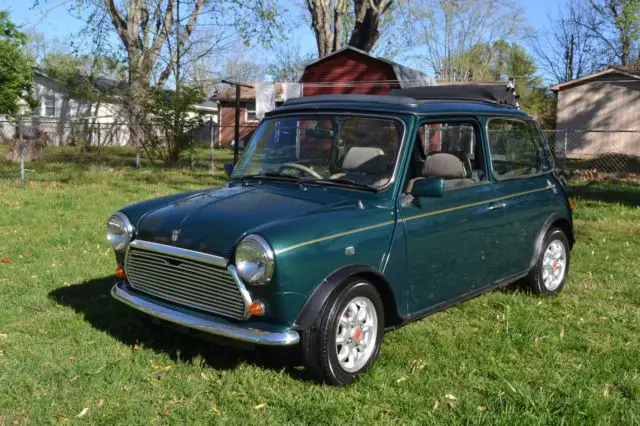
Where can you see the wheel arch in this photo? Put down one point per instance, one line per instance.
(556, 220)
(312, 307)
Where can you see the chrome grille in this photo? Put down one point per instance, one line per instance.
(182, 280)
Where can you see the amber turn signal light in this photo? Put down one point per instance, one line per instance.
(256, 308)
(571, 203)
(120, 272)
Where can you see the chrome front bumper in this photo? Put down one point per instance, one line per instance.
(202, 322)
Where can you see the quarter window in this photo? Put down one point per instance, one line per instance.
(515, 149)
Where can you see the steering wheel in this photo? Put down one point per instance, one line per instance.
(300, 168)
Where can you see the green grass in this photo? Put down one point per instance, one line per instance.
(69, 164)
(507, 357)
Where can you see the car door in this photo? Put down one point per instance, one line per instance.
(451, 242)
(520, 167)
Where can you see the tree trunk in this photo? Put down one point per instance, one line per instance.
(328, 23)
(321, 19)
(137, 93)
(365, 33)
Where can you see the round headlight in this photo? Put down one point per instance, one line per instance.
(119, 231)
(255, 260)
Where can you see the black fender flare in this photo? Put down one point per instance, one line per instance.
(311, 309)
(543, 231)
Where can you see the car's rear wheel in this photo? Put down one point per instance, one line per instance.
(345, 340)
(549, 274)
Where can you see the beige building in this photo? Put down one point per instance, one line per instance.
(600, 113)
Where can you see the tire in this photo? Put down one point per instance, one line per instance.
(339, 321)
(548, 279)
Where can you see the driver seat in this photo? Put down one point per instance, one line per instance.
(364, 164)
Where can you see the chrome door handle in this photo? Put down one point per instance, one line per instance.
(497, 206)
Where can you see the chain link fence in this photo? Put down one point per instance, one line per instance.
(39, 149)
(596, 154)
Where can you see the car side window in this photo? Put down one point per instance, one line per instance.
(516, 149)
(451, 151)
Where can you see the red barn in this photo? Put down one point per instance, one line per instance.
(354, 71)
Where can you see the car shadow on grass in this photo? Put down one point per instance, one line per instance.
(93, 300)
(626, 194)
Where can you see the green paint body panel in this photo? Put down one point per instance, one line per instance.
(430, 251)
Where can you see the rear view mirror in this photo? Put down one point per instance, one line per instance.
(428, 187)
(319, 133)
(228, 168)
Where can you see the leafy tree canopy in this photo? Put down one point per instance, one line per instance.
(16, 73)
(83, 76)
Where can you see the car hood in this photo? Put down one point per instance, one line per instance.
(213, 221)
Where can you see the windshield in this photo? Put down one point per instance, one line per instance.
(333, 149)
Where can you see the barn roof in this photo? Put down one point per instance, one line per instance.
(630, 71)
(407, 77)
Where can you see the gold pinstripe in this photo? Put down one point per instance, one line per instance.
(332, 236)
(478, 203)
(406, 219)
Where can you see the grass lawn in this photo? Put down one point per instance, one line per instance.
(68, 352)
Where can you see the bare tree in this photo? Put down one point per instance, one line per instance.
(331, 20)
(144, 28)
(288, 63)
(452, 29)
(566, 49)
(156, 40)
(616, 24)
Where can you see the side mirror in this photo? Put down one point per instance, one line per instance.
(228, 168)
(428, 187)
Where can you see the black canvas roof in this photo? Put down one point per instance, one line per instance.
(495, 93)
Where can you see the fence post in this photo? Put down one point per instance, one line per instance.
(211, 143)
(21, 152)
(138, 152)
(564, 153)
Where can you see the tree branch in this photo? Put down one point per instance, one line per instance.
(118, 21)
(184, 36)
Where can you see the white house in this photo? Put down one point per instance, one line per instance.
(65, 120)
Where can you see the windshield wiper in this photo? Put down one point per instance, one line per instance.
(341, 182)
(267, 176)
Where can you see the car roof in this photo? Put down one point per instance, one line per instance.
(395, 104)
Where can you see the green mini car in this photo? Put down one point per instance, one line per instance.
(348, 216)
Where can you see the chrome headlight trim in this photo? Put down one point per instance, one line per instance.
(119, 231)
(254, 260)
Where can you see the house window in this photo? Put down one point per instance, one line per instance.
(50, 106)
(251, 112)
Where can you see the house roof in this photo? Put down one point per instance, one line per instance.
(407, 77)
(116, 87)
(101, 84)
(630, 71)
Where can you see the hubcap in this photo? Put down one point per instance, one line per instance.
(554, 265)
(356, 334)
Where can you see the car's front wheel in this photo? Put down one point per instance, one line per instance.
(346, 337)
(549, 274)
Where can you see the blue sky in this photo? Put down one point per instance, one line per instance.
(52, 19)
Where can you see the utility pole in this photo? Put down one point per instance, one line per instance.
(178, 47)
(177, 124)
(237, 124)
